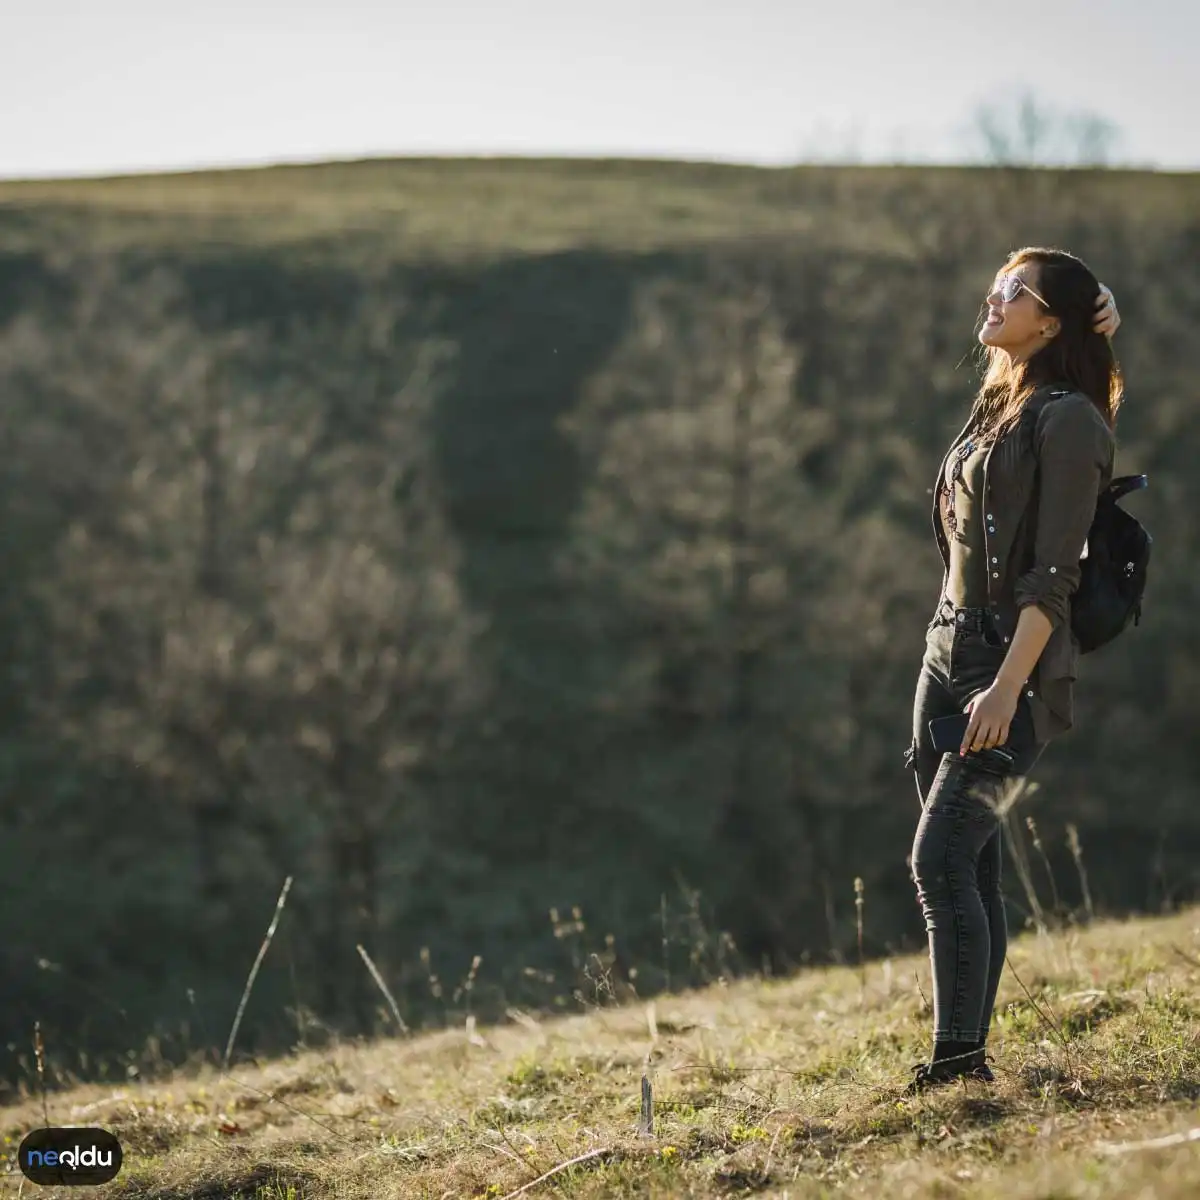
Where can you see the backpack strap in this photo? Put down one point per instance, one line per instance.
(1125, 484)
(1042, 396)
(1044, 393)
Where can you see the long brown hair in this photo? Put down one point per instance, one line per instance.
(1076, 356)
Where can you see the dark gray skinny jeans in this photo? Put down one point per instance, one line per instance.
(956, 855)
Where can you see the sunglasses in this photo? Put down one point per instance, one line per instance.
(1011, 286)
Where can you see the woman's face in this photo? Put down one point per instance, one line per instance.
(1022, 325)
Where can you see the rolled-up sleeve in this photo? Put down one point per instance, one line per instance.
(1075, 450)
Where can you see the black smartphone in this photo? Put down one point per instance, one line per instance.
(946, 733)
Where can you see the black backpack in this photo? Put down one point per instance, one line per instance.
(1113, 575)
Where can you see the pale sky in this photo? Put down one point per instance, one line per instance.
(97, 86)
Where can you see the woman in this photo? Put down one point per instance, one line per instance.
(1015, 499)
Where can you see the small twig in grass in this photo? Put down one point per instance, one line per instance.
(1037, 1008)
(1049, 1021)
(383, 987)
(262, 953)
(508, 1154)
(1159, 1143)
(516, 1154)
(572, 1162)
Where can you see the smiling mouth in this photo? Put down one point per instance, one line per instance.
(994, 318)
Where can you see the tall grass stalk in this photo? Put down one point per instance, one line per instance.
(258, 961)
(383, 987)
(1077, 855)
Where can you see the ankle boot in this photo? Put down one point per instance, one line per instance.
(951, 1061)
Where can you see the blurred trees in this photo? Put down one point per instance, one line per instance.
(254, 609)
(1021, 130)
(718, 561)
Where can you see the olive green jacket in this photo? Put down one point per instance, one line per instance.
(1037, 523)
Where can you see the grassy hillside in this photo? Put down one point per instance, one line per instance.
(474, 541)
(787, 1087)
(451, 208)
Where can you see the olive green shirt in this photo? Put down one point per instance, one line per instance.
(966, 584)
(1041, 481)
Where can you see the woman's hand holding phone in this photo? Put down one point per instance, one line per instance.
(991, 712)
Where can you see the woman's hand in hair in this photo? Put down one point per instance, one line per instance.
(1107, 317)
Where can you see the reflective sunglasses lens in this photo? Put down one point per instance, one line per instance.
(1010, 288)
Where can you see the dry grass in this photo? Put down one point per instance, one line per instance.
(784, 1088)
